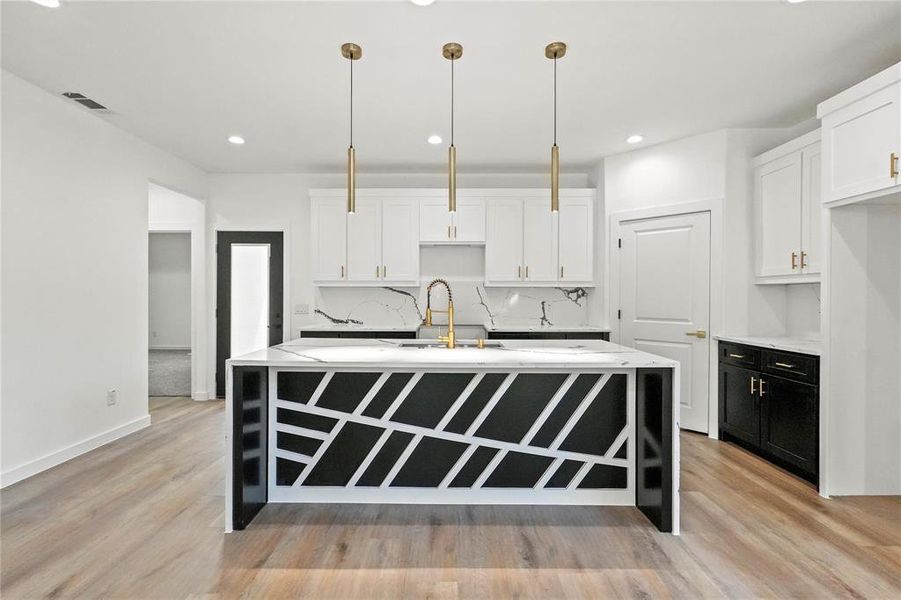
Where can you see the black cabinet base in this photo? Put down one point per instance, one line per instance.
(725, 436)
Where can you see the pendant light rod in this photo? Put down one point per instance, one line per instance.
(351, 52)
(452, 51)
(553, 51)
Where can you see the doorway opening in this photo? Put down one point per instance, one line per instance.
(249, 295)
(170, 314)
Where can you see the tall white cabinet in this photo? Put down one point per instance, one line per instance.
(377, 244)
(528, 245)
(788, 212)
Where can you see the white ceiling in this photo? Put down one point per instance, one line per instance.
(185, 75)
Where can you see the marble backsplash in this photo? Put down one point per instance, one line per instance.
(474, 304)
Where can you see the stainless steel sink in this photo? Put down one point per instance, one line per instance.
(460, 344)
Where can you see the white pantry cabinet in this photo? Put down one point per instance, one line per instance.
(862, 140)
(528, 245)
(788, 212)
(439, 226)
(378, 244)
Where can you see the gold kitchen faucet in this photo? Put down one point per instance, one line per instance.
(450, 339)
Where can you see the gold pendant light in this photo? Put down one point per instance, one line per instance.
(351, 52)
(452, 51)
(555, 50)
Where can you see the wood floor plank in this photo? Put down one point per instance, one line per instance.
(142, 518)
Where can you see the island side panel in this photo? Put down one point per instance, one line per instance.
(655, 484)
(249, 437)
(452, 436)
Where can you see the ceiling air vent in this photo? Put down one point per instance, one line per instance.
(85, 101)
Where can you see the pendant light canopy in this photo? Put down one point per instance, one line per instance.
(555, 50)
(351, 52)
(452, 51)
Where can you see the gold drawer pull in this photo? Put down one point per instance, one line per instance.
(736, 355)
(785, 365)
(519, 272)
(893, 165)
(384, 271)
(342, 271)
(753, 391)
(804, 264)
(794, 260)
(527, 271)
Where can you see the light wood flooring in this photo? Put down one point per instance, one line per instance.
(142, 518)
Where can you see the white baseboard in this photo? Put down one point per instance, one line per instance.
(53, 459)
(202, 396)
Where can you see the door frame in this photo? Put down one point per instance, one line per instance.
(612, 294)
(222, 297)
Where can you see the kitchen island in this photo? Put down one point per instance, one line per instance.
(410, 421)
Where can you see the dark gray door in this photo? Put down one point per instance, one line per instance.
(224, 241)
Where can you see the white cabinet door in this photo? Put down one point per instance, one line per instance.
(539, 241)
(364, 242)
(329, 238)
(858, 141)
(469, 220)
(811, 210)
(778, 199)
(400, 240)
(503, 244)
(576, 233)
(434, 220)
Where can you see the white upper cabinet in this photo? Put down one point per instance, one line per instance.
(576, 237)
(788, 211)
(503, 248)
(862, 139)
(439, 226)
(539, 254)
(400, 240)
(528, 245)
(329, 238)
(364, 241)
(378, 244)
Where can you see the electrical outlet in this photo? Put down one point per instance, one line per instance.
(301, 309)
(112, 397)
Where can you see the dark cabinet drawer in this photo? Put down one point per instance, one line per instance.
(800, 367)
(739, 355)
(789, 422)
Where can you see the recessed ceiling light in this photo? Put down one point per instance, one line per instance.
(434, 139)
(422, 2)
(634, 139)
(47, 3)
(236, 139)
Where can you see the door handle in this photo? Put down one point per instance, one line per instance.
(803, 260)
(753, 391)
(700, 333)
(762, 391)
(794, 260)
(893, 165)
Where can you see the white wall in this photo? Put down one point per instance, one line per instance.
(74, 269)
(169, 210)
(170, 290)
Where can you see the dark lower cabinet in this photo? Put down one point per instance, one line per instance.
(769, 403)
(352, 334)
(549, 335)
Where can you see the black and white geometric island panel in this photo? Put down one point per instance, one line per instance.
(452, 437)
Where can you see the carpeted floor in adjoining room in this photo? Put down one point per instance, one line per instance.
(170, 373)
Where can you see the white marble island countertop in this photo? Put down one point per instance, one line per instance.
(393, 354)
(811, 347)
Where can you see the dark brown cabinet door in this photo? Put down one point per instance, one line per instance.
(739, 403)
(789, 423)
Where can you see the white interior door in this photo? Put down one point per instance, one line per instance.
(539, 252)
(400, 240)
(503, 246)
(364, 243)
(249, 298)
(665, 300)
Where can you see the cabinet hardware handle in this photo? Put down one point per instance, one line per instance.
(803, 259)
(561, 271)
(376, 271)
(342, 271)
(893, 166)
(794, 260)
(448, 232)
(527, 271)
(785, 365)
(700, 333)
(384, 271)
(753, 391)
(736, 355)
(519, 272)
(455, 232)
(762, 391)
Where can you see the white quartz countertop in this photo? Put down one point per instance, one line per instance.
(391, 354)
(498, 328)
(812, 347)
